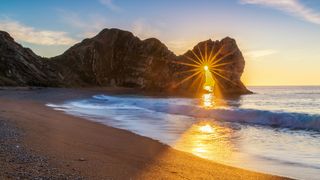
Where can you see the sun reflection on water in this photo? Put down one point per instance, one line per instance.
(207, 100)
(206, 128)
(207, 140)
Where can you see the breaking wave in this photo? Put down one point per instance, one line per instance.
(179, 106)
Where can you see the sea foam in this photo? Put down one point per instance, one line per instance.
(178, 106)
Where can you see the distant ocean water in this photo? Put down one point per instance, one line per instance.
(276, 130)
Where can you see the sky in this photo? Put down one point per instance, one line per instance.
(280, 39)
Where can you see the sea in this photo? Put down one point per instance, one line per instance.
(276, 130)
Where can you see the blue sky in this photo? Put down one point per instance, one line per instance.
(280, 39)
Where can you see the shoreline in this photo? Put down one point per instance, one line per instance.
(98, 151)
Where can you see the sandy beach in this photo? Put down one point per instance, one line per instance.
(75, 148)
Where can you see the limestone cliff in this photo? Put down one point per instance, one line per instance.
(21, 67)
(117, 58)
(227, 64)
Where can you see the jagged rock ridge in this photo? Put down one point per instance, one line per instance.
(116, 58)
(20, 66)
(113, 58)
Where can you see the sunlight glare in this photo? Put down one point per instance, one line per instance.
(206, 68)
(208, 88)
(207, 140)
(207, 100)
(206, 129)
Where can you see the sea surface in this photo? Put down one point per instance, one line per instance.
(276, 130)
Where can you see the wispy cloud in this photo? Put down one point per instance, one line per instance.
(110, 4)
(30, 34)
(89, 25)
(180, 46)
(292, 7)
(143, 29)
(259, 53)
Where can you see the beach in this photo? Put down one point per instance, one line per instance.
(80, 149)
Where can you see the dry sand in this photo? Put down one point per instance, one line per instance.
(74, 145)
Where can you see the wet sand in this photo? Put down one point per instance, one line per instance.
(78, 148)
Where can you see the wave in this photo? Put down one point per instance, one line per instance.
(177, 107)
(289, 162)
(88, 105)
(101, 97)
(276, 119)
(251, 116)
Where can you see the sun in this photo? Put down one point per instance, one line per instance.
(205, 68)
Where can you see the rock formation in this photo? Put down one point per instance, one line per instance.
(21, 67)
(228, 64)
(115, 58)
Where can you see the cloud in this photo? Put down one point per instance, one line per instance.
(89, 25)
(142, 29)
(259, 53)
(29, 34)
(110, 4)
(180, 46)
(292, 7)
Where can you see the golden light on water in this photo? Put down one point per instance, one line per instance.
(207, 140)
(206, 128)
(207, 100)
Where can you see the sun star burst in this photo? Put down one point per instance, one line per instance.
(205, 68)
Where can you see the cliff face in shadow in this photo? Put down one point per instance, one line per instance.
(21, 67)
(117, 58)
